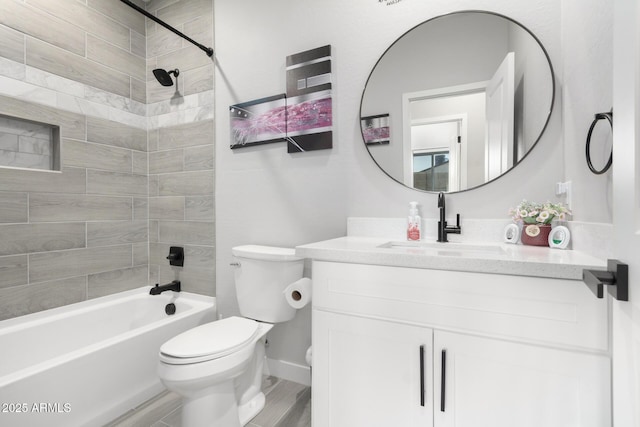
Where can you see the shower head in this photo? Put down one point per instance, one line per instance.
(164, 77)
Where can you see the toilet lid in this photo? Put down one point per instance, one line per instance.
(211, 340)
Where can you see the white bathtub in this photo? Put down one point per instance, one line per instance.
(87, 363)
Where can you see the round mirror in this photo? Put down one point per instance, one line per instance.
(457, 101)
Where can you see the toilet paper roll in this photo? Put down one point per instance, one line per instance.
(298, 294)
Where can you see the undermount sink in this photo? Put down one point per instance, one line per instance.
(446, 249)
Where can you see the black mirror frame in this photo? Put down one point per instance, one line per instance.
(553, 95)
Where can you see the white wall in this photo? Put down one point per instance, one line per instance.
(266, 196)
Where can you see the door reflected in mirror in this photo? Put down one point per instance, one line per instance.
(465, 97)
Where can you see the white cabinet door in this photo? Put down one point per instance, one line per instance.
(367, 373)
(493, 383)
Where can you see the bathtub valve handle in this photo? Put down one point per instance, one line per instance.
(176, 256)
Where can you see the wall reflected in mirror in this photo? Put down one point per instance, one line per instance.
(466, 96)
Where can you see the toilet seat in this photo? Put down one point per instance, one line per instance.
(210, 341)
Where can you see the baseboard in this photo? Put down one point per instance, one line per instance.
(288, 371)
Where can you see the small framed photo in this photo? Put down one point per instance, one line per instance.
(375, 129)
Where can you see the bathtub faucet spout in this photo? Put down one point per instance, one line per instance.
(173, 286)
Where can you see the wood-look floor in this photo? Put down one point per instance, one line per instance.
(288, 405)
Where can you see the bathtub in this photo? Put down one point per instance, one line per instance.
(85, 364)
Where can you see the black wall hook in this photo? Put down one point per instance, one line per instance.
(600, 116)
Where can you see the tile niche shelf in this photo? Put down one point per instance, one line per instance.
(28, 144)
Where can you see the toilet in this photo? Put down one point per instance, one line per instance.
(217, 367)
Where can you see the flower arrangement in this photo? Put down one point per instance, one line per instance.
(538, 213)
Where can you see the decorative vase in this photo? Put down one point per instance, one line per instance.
(535, 235)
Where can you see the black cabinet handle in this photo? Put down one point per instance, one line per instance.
(422, 375)
(443, 379)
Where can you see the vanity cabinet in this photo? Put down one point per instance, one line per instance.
(373, 372)
(417, 347)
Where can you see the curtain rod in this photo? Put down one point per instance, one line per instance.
(207, 50)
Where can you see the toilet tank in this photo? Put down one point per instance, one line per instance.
(261, 277)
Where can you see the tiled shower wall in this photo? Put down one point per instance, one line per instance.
(181, 129)
(85, 232)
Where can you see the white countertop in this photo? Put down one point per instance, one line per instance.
(496, 258)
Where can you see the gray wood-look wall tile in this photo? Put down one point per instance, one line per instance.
(199, 208)
(12, 46)
(139, 90)
(140, 162)
(186, 135)
(198, 158)
(171, 208)
(116, 184)
(203, 257)
(111, 282)
(158, 93)
(162, 42)
(191, 57)
(44, 207)
(116, 134)
(201, 28)
(153, 231)
(187, 232)
(61, 62)
(198, 80)
(154, 185)
(166, 161)
(186, 184)
(96, 156)
(153, 139)
(120, 13)
(13, 207)
(106, 176)
(140, 208)
(41, 25)
(28, 238)
(70, 180)
(154, 5)
(13, 271)
(116, 233)
(141, 254)
(181, 12)
(112, 56)
(72, 125)
(79, 15)
(21, 300)
(78, 262)
(158, 252)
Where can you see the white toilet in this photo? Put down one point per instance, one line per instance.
(217, 367)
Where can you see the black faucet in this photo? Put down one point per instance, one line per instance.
(173, 286)
(443, 230)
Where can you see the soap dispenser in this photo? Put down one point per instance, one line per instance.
(414, 226)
